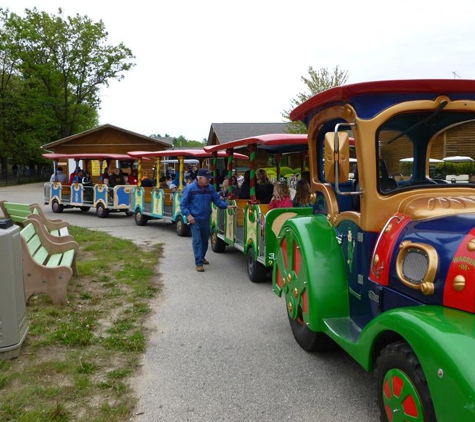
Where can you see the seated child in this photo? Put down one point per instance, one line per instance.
(173, 189)
(302, 196)
(281, 198)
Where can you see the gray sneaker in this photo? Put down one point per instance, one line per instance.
(200, 268)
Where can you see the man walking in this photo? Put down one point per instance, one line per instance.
(196, 207)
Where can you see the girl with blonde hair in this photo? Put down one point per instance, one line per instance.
(281, 198)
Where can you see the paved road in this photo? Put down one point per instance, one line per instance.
(220, 347)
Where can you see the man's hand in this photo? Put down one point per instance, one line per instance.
(191, 219)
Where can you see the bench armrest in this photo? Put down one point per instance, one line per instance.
(51, 246)
(55, 224)
(51, 237)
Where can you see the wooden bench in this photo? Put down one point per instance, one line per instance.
(147, 194)
(241, 205)
(19, 213)
(56, 227)
(47, 266)
(264, 208)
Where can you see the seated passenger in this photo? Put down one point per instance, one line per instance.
(173, 189)
(146, 182)
(104, 175)
(132, 178)
(78, 177)
(302, 194)
(264, 189)
(223, 192)
(59, 176)
(73, 175)
(281, 197)
(116, 178)
(234, 193)
(245, 191)
(163, 182)
(87, 180)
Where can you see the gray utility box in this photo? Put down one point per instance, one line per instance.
(13, 321)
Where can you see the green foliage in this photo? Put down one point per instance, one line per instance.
(182, 142)
(318, 81)
(286, 171)
(52, 70)
(456, 168)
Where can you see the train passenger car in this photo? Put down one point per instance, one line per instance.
(88, 191)
(251, 227)
(160, 202)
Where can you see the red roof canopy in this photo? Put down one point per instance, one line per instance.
(278, 142)
(86, 156)
(186, 153)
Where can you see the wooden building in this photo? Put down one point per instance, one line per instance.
(107, 139)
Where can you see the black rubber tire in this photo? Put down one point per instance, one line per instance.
(140, 219)
(218, 245)
(102, 211)
(256, 272)
(84, 209)
(182, 229)
(399, 358)
(308, 340)
(57, 207)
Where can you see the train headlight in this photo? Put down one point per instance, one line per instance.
(416, 266)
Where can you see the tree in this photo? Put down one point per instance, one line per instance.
(318, 81)
(66, 61)
(15, 109)
(182, 142)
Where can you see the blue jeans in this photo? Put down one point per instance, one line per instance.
(200, 237)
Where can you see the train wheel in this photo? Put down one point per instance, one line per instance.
(255, 270)
(291, 276)
(56, 206)
(182, 229)
(84, 209)
(217, 244)
(309, 340)
(403, 393)
(102, 211)
(140, 219)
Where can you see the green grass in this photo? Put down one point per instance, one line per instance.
(77, 361)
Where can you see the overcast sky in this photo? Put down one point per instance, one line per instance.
(200, 62)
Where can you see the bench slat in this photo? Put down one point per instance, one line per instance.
(64, 231)
(41, 255)
(28, 232)
(34, 244)
(54, 260)
(68, 257)
(17, 212)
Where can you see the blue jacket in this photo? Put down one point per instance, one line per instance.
(196, 200)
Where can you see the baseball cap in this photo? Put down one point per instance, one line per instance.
(172, 186)
(205, 172)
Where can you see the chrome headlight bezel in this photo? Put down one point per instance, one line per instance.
(426, 283)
